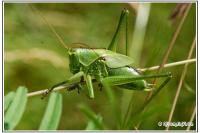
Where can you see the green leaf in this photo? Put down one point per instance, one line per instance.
(94, 119)
(6, 126)
(52, 114)
(16, 108)
(92, 126)
(8, 100)
(189, 88)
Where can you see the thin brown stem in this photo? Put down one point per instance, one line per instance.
(40, 92)
(169, 49)
(191, 118)
(168, 65)
(175, 35)
(171, 45)
(181, 83)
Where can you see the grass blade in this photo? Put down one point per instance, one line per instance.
(92, 126)
(94, 119)
(8, 100)
(52, 114)
(189, 88)
(16, 109)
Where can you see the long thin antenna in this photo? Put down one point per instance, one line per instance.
(49, 25)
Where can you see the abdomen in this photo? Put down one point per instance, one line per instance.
(128, 71)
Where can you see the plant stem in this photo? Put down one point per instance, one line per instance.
(171, 45)
(181, 83)
(175, 35)
(169, 49)
(168, 65)
(40, 92)
(192, 118)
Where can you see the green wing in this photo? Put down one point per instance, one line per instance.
(86, 56)
(117, 60)
(114, 60)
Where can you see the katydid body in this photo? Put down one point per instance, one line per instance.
(106, 66)
(101, 63)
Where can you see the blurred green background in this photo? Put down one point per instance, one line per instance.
(33, 57)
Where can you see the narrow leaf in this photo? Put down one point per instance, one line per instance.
(16, 108)
(92, 126)
(8, 99)
(97, 123)
(189, 88)
(52, 114)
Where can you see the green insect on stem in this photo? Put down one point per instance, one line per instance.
(105, 65)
